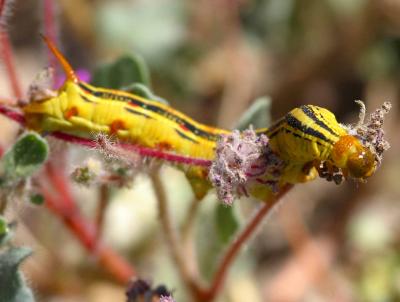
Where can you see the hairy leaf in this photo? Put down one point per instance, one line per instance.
(25, 157)
(143, 91)
(257, 115)
(226, 221)
(12, 284)
(126, 70)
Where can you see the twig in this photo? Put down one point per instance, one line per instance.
(188, 223)
(236, 245)
(60, 184)
(2, 3)
(187, 238)
(143, 151)
(84, 232)
(8, 60)
(12, 114)
(90, 143)
(104, 196)
(172, 237)
(65, 207)
(3, 205)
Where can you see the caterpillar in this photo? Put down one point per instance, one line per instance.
(304, 138)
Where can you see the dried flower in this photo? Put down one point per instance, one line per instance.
(89, 173)
(41, 86)
(371, 133)
(241, 158)
(166, 299)
(141, 290)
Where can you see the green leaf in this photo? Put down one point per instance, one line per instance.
(215, 228)
(226, 222)
(25, 157)
(12, 284)
(126, 70)
(37, 199)
(6, 231)
(257, 115)
(143, 91)
(3, 227)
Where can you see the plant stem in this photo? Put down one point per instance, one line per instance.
(104, 196)
(3, 205)
(90, 143)
(171, 235)
(8, 61)
(84, 232)
(65, 207)
(188, 223)
(236, 245)
(187, 236)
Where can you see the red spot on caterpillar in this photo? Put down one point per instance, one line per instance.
(73, 111)
(116, 125)
(183, 127)
(164, 146)
(133, 104)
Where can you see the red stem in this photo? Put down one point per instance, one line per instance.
(8, 60)
(235, 247)
(2, 2)
(59, 182)
(143, 151)
(84, 232)
(12, 114)
(65, 207)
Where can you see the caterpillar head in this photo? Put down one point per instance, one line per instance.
(353, 157)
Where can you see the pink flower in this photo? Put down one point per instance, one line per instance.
(82, 74)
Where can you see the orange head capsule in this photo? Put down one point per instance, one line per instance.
(354, 158)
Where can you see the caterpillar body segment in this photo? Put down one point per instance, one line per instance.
(303, 138)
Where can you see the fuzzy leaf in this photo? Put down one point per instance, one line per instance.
(3, 227)
(126, 70)
(143, 91)
(209, 244)
(6, 231)
(226, 222)
(37, 199)
(25, 157)
(257, 115)
(12, 284)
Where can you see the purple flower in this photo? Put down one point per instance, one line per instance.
(241, 158)
(82, 74)
(166, 299)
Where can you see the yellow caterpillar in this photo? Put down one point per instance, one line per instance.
(304, 138)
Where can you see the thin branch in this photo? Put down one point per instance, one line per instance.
(171, 235)
(84, 232)
(12, 114)
(143, 151)
(103, 201)
(60, 184)
(90, 143)
(237, 244)
(188, 223)
(187, 236)
(8, 61)
(65, 207)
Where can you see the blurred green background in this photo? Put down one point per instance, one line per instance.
(211, 59)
